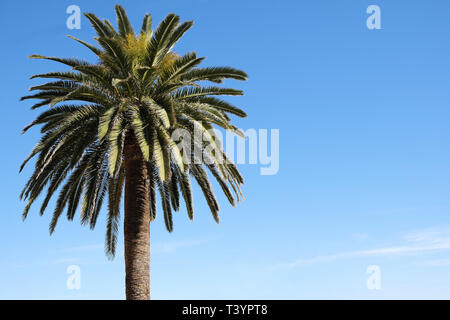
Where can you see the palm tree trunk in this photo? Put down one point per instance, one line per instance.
(136, 223)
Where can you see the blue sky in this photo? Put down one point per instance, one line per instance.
(364, 175)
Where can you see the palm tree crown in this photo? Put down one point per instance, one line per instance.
(133, 98)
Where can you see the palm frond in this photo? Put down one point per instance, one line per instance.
(127, 105)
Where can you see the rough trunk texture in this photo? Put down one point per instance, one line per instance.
(136, 223)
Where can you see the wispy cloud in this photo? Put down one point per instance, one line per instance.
(437, 263)
(428, 240)
(169, 247)
(431, 235)
(156, 247)
(65, 261)
(89, 247)
(360, 236)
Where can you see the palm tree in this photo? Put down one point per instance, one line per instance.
(119, 133)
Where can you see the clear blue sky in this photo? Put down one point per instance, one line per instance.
(364, 173)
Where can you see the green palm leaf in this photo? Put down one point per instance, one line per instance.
(126, 106)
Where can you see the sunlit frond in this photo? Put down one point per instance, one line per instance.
(126, 105)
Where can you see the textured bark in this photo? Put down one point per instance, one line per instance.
(136, 223)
